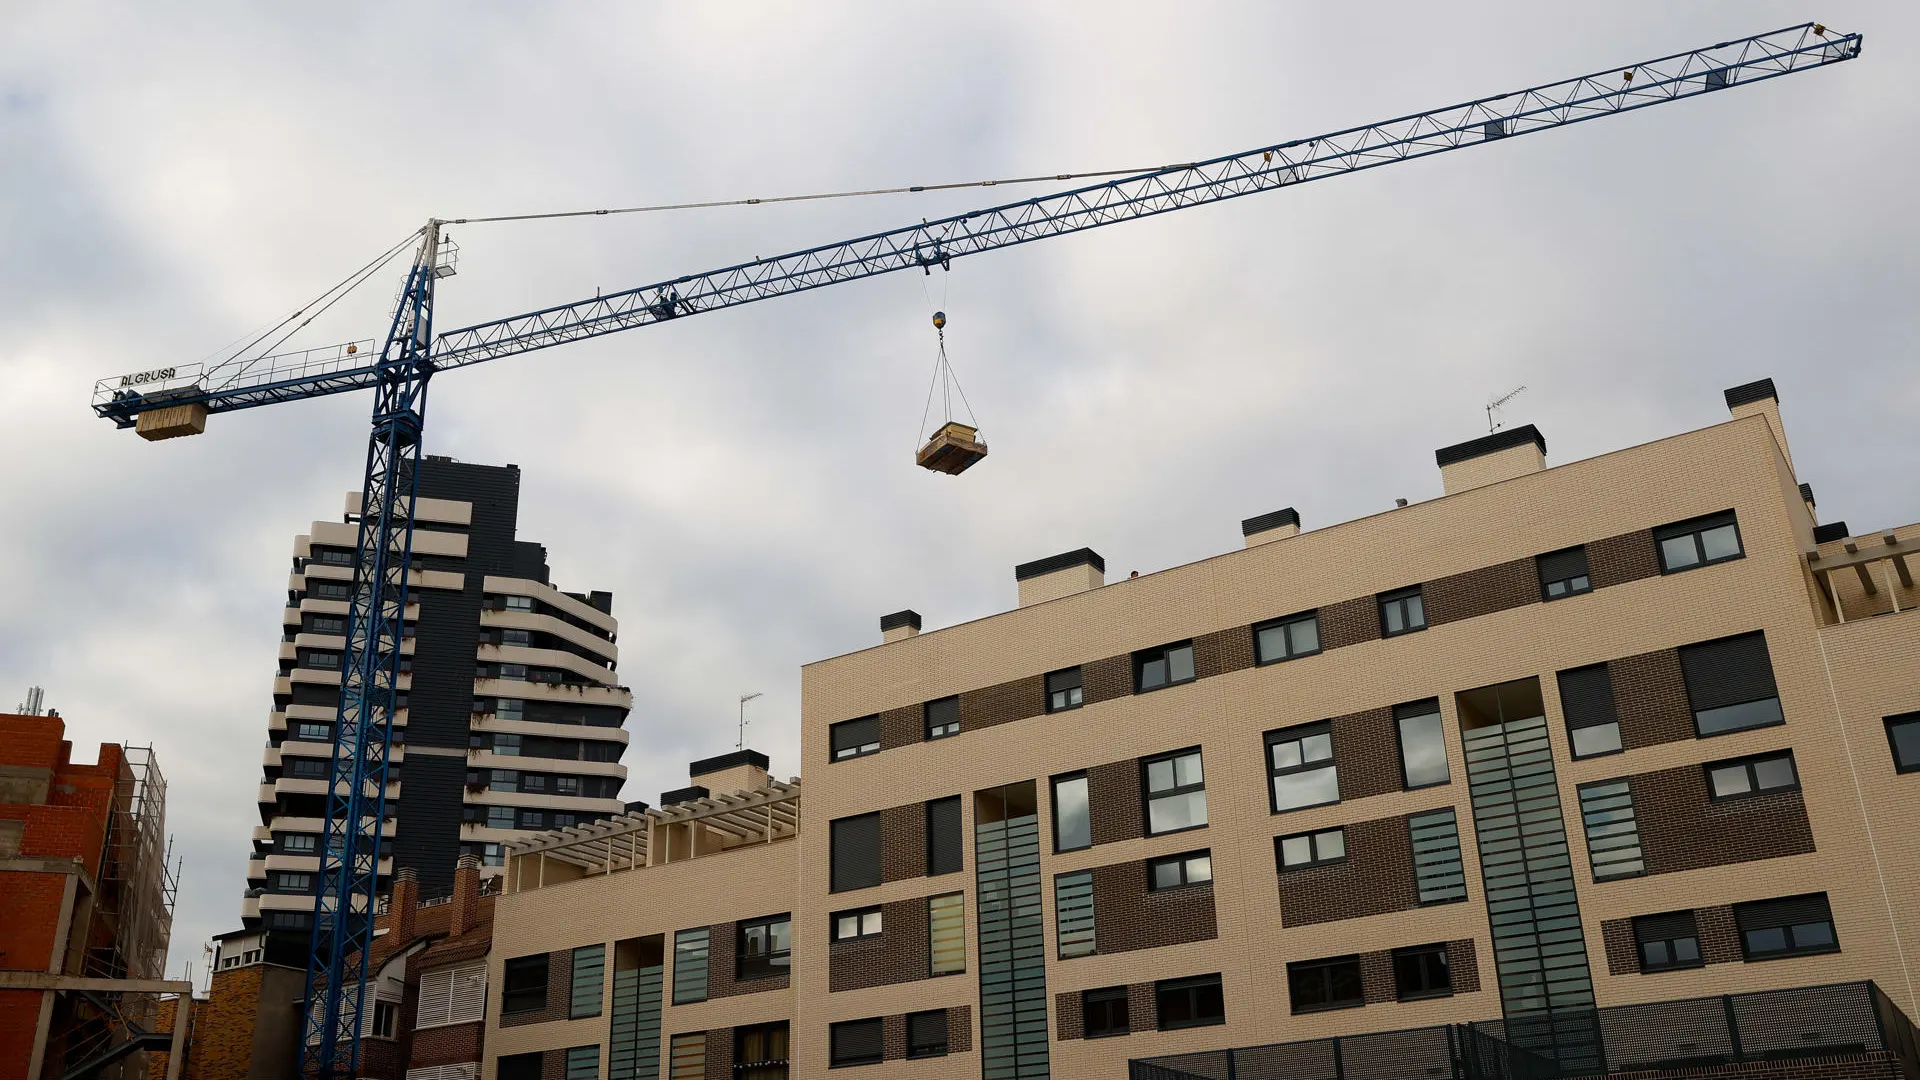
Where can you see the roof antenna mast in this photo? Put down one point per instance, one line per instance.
(1494, 406)
(744, 698)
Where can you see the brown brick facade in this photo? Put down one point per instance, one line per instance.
(1719, 939)
(1349, 622)
(1113, 802)
(1003, 703)
(1069, 1015)
(1376, 877)
(903, 726)
(449, 1045)
(1620, 559)
(1682, 828)
(1650, 698)
(1367, 752)
(720, 1053)
(723, 940)
(1223, 651)
(1127, 916)
(559, 993)
(1481, 592)
(1143, 1009)
(903, 842)
(899, 953)
(1104, 680)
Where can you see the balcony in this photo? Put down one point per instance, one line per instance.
(487, 759)
(547, 624)
(588, 732)
(553, 598)
(618, 696)
(546, 658)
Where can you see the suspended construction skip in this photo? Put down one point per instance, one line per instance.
(955, 447)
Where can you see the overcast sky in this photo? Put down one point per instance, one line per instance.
(175, 176)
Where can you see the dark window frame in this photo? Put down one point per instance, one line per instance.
(1286, 623)
(1184, 862)
(1417, 953)
(772, 959)
(861, 933)
(1324, 968)
(1053, 798)
(1695, 528)
(1385, 600)
(1148, 795)
(1313, 846)
(875, 1023)
(935, 866)
(1164, 655)
(1695, 711)
(1299, 733)
(1105, 996)
(1400, 743)
(1075, 694)
(860, 749)
(1560, 688)
(514, 999)
(1577, 585)
(1749, 763)
(1752, 955)
(926, 1050)
(833, 852)
(1643, 937)
(945, 728)
(1194, 988)
(1900, 720)
(520, 1066)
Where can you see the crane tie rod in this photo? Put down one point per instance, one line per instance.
(812, 198)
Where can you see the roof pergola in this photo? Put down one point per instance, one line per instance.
(1859, 556)
(629, 841)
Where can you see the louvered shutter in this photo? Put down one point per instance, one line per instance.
(1562, 565)
(857, 1042)
(856, 852)
(1676, 924)
(1586, 696)
(944, 847)
(436, 999)
(1731, 671)
(467, 997)
(1787, 911)
(947, 934)
(1437, 871)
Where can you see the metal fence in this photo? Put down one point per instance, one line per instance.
(1843, 1019)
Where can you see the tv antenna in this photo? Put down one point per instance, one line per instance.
(1495, 404)
(744, 698)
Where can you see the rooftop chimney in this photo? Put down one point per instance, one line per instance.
(899, 626)
(1806, 496)
(1759, 397)
(1490, 459)
(466, 896)
(402, 902)
(742, 770)
(1275, 526)
(1060, 575)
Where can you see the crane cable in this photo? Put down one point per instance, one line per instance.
(949, 385)
(346, 285)
(810, 198)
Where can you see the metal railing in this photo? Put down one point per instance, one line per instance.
(1837, 1020)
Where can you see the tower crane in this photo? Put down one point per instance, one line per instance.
(173, 401)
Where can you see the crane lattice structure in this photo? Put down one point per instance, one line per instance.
(177, 400)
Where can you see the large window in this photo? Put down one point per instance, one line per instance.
(1104, 1012)
(1167, 665)
(1073, 911)
(1185, 1003)
(947, 934)
(1421, 971)
(856, 852)
(1613, 830)
(298, 843)
(1064, 690)
(1752, 776)
(1284, 639)
(525, 984)
(1700, 542)
(686, 1056)
(1423, 744)
(1437, 871)
(1666, 942)
(1174, 871)
(856, 1042)
(763, 947)
(1300, 762)
(1586, 697)
(520, 1066)
(855, 738)
(386, 1015)
(1402, 612)
(760, 1052)
(1072, 818)
(1791, 926)
(1310, 849)
(690, 955)
(1730, 684)
(945, 853)
(589, 981)
(582, 1063)
(856, 924)
(1563, 574)
(1903, 738)
(942, 717)
(927, 1034)
(1332, 983)
(1176, 792)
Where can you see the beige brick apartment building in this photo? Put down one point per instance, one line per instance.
(1630, 730)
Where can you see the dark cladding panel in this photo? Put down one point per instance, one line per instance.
(427, 834)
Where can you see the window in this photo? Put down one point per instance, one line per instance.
(686, 1057)
(288, 882)
(1791, 926)
(859, 923)
(1730, 684)
(945, 854)
(333, 556)
(298, 843)
(1186, 1003)
(1333, 983)
(690, 953)
(1752, 776)
(566, 785)
(856, 852)
(942, 717)
(1903, 737)
(855, 738)
(455, 996)
(763, 947)
(947, 934)
(329, 590)
(1563, 574)
(519, 603)
(856, 1042)
(1174, 871)
(1104, 1012)
(385, 1013)
(1586, 697)
(1064, 690)
(1402, 612)
(501, 817)
(324, 661)
(520, 1067)
(1073, 911)
(1666, 942)
(1437, 872)
(1300, 761)
(1700, 542)
(525, 984)
(313, 732)
(1423, 744)
(1613, 832)
(1310, 849)
(512, 671)
(328, 624)
(306, 768)
(510, 709)
(522, 638)
(760, 1052)
(1421, 971)
(506, 745)
(1072, 822)
(533, 819)
(1168, 665)
(927, 1034)
(1176, 793)
(1284, 639)
(583, 1063)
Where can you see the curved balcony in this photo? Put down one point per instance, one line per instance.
(547, 624)
(487, 759)
(547, 658)
(552, 597)
(618, 696)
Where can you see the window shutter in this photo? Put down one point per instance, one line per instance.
(853, 733)
(690, 948)
(1562, 565)
(1676, 924)
(467, 995)
(1613, 830)
(927, 1030)
(468, 1071)
(856, 852)
(943, 836)
(589, 971)
(687, 1059)
(947, 934)
(856, 1041)
(1586, 696)
(436, 989)
(1073, 912)
(1787, 911)
(1731, 671)
(1437, 872)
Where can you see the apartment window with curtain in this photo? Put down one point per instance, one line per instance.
(947, 934)
(525, 984)
(760, 1052)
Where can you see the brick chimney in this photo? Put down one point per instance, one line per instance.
(402, 903)
(1060, 575)
(1489, 459)
(899, 626)
(466, 895)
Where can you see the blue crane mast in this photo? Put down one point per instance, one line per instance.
(172, 401)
